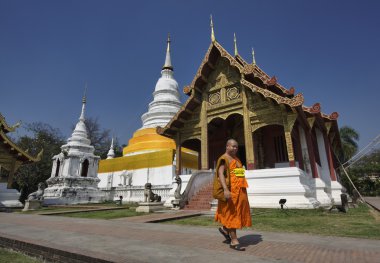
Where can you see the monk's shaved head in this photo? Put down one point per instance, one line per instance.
(231, 141)
(232, 147)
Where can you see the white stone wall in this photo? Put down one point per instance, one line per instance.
(9, 197)
(156, 176)
(268, 186)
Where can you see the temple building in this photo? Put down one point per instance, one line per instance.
(73, 177)
(11, 158)
(149, 157)
(286, 147)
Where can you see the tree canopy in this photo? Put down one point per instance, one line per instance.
(45, 137)
(349, 138)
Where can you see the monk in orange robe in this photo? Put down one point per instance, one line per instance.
(234, 212)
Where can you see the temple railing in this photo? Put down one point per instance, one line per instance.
(134, 193)
(198, 180)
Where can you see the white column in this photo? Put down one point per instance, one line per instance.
(325, 171)
(305, 152)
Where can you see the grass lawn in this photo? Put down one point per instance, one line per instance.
(7, 255)
(361, 222)
(63, 208)
(108, 214)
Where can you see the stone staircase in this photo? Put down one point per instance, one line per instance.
(201, 200)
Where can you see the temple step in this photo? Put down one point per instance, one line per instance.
(201, 200)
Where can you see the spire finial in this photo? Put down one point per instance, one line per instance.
(253, 57)
(168, 61)
(83, 103)
(111, 152)
(235, 45)
(84, 94)
(212, 30)
(168, 42)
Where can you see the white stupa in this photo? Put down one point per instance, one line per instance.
(74, 174)
(149, 157)
(166, 102)
(111, 152)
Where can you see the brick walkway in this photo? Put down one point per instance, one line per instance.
(373, 201)
(88, 240)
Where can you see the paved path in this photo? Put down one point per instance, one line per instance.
(373, 201)
(82, 240)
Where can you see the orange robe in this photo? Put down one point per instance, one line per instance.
(235, 213)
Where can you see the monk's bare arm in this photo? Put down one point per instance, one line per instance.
(227, 193)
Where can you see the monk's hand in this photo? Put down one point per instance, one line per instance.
(227, 194)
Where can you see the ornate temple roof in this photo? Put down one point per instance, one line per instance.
(9, 151)
(5, 127)
(252, 77)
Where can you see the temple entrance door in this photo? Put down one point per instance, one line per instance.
(219, 131)
(270, 147)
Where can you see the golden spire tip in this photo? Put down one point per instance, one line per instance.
(235, 46)
(253, 57)
(212, 30)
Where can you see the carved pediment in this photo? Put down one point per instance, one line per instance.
(222, 76)
(260, 105)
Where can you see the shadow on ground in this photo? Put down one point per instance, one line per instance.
(250, 240)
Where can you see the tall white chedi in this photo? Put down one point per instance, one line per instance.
(74, 178)
(166, 102)
(138, 165)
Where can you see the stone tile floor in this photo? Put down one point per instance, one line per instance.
(130, 240)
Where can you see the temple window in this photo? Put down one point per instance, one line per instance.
(84, 168)
(57, 168)
(280, 149)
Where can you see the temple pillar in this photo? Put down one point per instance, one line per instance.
(329, 157)
(319, 185)
(289, 147)
(298, 148)
(310, 148)
(335, 187)
(204, 135)
(323, 156)
(288, 120)
(304, 150)
(178, 156)
(11, 174)
(249, 147)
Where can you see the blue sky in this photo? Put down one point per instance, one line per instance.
(327, 50)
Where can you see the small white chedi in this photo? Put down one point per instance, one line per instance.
(74, 178)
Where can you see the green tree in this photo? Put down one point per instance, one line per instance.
(42, 136)
(365, 174)
(349, 138)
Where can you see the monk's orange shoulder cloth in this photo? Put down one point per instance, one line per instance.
(218, 192)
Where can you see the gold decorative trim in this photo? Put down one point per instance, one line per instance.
(214, 98)
(20, 151)
(293, 102)
(8, 128)
(311, 121)
(233, 93)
